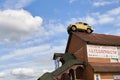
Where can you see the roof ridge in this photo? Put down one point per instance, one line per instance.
(98, 39)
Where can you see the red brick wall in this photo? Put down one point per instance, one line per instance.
(89, 73)
(78, 48)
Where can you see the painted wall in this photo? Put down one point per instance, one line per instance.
(78, 48)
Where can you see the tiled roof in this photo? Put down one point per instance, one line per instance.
(106, 67)
(100, 39)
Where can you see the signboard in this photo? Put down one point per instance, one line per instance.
(102, 51)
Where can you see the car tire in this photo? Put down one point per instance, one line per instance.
(89, 30)
(73, 28)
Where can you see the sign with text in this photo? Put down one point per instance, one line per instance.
(102, 51)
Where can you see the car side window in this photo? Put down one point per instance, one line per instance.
(80, 22)
(85, 23)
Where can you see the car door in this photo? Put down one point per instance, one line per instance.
(85, 25)
(81, 26)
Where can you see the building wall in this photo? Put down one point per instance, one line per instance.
(67, 72)
(78, 48)
(99, 59)
(118, 53)
(106, 59)
(89, 73)
(107, 76)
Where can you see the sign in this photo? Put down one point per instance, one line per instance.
(102, 51)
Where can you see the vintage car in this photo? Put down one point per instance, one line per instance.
(80, 26)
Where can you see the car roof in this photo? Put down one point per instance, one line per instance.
(81, 22)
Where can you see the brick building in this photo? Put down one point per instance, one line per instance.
(88, 57)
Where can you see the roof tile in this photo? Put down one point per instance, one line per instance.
(101, 39)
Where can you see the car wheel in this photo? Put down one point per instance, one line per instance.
(73, 28)
(89, 30)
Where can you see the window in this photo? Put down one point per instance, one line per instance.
(117, 77)
(113, 60)
(85, 23)
(71, 74)
(97, 77)
(79, 73)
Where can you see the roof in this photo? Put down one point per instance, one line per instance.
(57, 55)
(69, 59)
(67, 56)
(46, 76)
(52, 76)
(106, 67)
(99, 39)
(67, 65)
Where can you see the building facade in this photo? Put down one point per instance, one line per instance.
(88, 57)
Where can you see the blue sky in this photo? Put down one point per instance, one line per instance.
(32, 30)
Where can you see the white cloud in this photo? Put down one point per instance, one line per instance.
(38, 65)
(60, 49)
(53, 28)
(90, 20)
(2, 74)
(116, 32)
(114, 12)
(26, 52)
(17, 24)
(103, 3)
(15, 4)
(71, 1)
(103, 19)
(111, 16)
(41, 58)
(24, 73)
